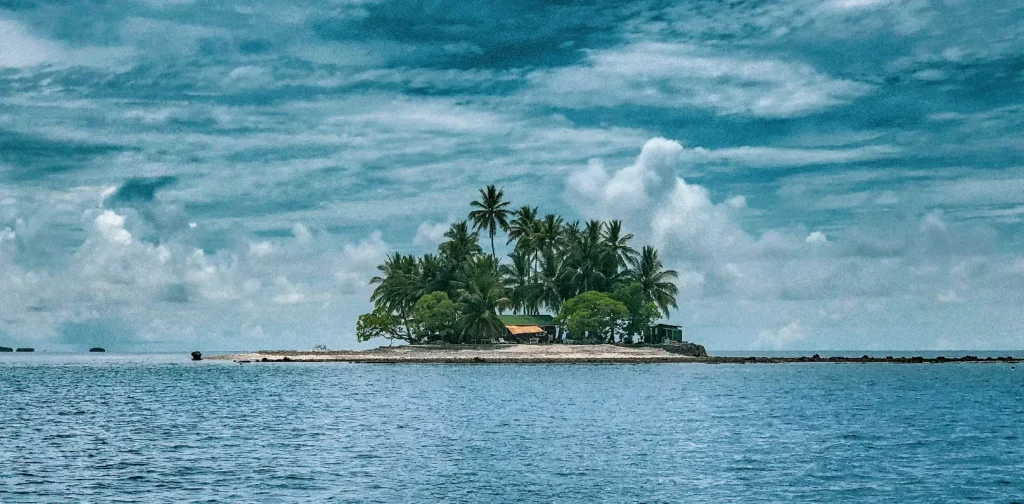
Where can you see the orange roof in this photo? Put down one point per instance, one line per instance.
(524, 329)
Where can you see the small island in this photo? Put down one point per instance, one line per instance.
(97, 349)
(6, 349)
(567, 292)
(561, 283)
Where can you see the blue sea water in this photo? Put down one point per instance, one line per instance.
(158, 428)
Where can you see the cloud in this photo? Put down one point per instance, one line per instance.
(20, 49)
(802, 275)
(430, 234)
(781, 337)
(776, 157)
(359, 261)
(683, 76)
(816, 237)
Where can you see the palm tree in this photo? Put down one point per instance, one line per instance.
(491, 213)
(461, 245)
(552, 287)
(549, 233)
(657, 282)
(398, 287)
(586, 258)
(618, 244)
(517, 279)
(619, 254)
(480, 300)
(522, 227)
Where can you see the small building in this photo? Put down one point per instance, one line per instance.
(660, 334)
(528, 328)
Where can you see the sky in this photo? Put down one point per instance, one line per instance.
(823, 174)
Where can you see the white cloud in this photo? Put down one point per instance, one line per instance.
(288, 293)
(261, 249)
(249, 76)
(776, 157)
(18, 48)
(782, 337)
(430, 234)
(683, 76)
(359, 261)
(863, 271)
(816, 237)
(855, 4)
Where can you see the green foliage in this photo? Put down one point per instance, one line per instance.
(480, 301)
(594, 314)
(381, 324)
(552, 261)
(491, 212)
(657, 281)
(641, 311)
(435, 315)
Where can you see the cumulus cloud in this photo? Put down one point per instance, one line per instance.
(805, 275)
(359, 261)
(430, 234)
(683, 76)
(782, 337)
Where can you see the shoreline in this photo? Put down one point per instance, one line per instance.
(562, 354)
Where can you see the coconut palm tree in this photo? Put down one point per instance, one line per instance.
(517, 278)
(480, 300)
(618, 244)
(397, 286)
(657, 282)
(552, 287)
(460, 245)
(522, 227)
(491, 213)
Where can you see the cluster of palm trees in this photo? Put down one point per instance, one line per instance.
(551, 262)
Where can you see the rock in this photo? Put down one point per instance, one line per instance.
(686, 348)
(6, 349)
(97, 349)
(815, 357)
(25, 349)
(264, 359)
(197, 355)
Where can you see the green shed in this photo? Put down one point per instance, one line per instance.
(664, 333)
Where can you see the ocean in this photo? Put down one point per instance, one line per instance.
(159, 428)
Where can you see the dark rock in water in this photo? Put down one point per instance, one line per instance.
(97, 349)
(815, 357)
(197, 355)
(264, 359)
(286, 359)
(686, 348)
(25, 349)
(6, 349)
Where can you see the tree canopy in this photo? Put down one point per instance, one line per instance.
(588, 274)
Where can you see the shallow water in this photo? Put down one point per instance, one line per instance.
(104, 428)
